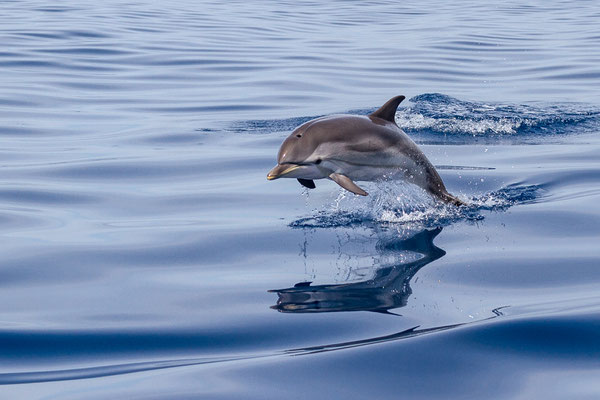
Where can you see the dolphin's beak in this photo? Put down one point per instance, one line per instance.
(281, 170)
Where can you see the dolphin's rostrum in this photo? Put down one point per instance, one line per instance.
(348, 148)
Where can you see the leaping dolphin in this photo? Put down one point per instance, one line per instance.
(348, 148)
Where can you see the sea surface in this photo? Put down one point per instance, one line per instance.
(144, 255)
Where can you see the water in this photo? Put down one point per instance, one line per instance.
(144, 254)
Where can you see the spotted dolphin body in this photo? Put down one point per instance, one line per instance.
(349, 148)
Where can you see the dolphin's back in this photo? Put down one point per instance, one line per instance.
(376, 143)
(361, 140)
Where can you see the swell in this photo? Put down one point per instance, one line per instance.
(99, 371)
(134, 367)
(557, 336)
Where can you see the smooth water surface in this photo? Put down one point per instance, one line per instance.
(145, 255)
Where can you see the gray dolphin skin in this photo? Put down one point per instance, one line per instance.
(349, 148)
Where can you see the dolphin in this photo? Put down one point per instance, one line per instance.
(349, 148)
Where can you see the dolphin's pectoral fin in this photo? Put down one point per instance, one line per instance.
(347, 184)
(309, 183)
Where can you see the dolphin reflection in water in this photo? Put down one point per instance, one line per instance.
(387, 290)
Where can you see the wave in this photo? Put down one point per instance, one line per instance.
(438, 115)
(435, 117)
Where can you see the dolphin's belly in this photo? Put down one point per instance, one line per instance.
(403, 168)
(371, 173)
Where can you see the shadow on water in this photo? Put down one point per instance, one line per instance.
(387, 290)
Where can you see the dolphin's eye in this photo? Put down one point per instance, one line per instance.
(298, 135)
(318, 161)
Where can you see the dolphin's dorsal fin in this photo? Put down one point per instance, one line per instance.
(388, 110)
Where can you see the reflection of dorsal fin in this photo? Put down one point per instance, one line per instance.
(388, 110)
(302, 284)
(386, 312)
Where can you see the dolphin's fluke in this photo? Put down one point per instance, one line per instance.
(435, 186)
(347, 184)
(448, 198)
(309, 183)
(388, 110)
(456, 201)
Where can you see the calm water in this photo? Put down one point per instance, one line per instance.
(145, 255)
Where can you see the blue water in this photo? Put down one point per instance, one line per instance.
(145, 255)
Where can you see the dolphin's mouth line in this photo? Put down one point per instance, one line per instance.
(277, 174)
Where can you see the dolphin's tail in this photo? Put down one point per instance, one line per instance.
(435, 186)
(450, 199)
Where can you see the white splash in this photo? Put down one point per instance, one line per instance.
(415, 121)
